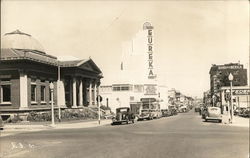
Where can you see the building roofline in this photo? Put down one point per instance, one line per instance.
(235, 87)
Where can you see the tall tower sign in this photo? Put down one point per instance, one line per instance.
(147, 26)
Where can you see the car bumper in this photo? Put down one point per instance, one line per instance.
(143, 117)
(213, 118)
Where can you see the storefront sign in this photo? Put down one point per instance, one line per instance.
(151, 75)
(148, 100)
(241, 91)
(230, 67)
(150, 90)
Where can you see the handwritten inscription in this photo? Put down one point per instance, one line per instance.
(19, 145)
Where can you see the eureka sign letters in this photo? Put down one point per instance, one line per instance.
(150, 53)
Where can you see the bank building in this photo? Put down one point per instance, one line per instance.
(26, 72)
(136, 83)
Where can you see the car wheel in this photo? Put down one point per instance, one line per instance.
(205, 120)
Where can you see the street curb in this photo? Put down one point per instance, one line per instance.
(7, 130)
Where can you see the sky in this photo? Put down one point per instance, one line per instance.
(189, 36)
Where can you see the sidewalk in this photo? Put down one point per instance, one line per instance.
(238, 121)
(11, 129)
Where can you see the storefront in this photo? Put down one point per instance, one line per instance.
(241, 97)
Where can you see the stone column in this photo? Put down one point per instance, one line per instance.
(60, 93)
(90, 93)
(23, 90)
(80, 93)
(95, 94)
(84, 87)
(74, 93)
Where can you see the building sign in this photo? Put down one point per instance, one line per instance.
(230, 67)
(150, 90)
(241, 91)
(148, 100)
(151, 74)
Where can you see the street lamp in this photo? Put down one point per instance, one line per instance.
(51, 86)
(231, 77)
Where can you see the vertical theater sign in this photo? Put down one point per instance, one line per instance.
(150, 89)
(147, 26)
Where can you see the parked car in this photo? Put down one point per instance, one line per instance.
(244, 112)
(237, 111)
(155, 113)
(123, 115)
(247, 113)
(213, 113)
(173, 111)
(109, 116)
(183, 108)
(165, 112)
(145, 114)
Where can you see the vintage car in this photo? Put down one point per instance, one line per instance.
(166, 112)
(123, 115)
(173, 110)
(145, 114)
(213, 113)
(155, 113)
(243, 112)
(183, 108)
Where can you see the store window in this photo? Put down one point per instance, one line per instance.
(43, 93)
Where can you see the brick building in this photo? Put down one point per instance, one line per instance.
(26, 72)
(219, 76)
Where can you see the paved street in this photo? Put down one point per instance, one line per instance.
(181, 136)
